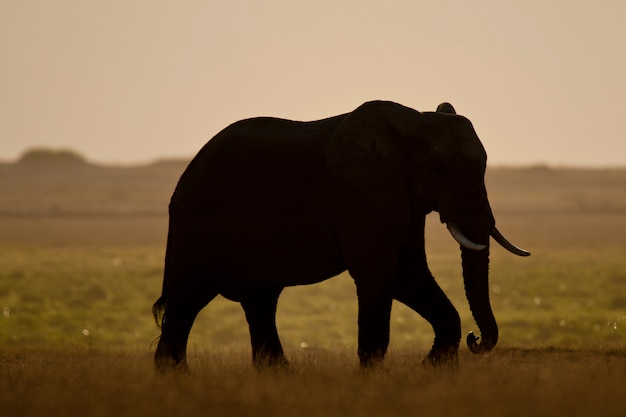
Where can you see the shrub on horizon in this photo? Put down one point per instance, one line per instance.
(52, 157)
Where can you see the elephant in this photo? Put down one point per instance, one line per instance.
(270, 203)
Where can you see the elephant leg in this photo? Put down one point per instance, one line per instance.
(171, 352)
(374, 316)
(426, 297)
(260, 309)
(373, 268)
(370, 252)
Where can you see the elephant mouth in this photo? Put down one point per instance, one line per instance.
(495, 233)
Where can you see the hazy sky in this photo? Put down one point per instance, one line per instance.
(544, 81)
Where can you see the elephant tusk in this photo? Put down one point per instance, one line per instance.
(463, 241)
(508, 245)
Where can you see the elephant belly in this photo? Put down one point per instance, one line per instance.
(279, 268)
(266, 253)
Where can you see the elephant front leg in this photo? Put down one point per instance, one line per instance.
(426, 298)
(260, 309)
(374, 317)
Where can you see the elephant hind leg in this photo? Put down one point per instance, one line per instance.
(177, 318)
(260, 309)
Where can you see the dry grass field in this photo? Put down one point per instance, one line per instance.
(120, 382)
(81, 250)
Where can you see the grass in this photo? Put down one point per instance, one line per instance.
(76, 330)
(511, 382)
(101, 296)
(76, 290)
(77, 295)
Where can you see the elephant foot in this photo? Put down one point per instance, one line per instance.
(443, 358)
(170, 366)
(371, 361)
(372, 368)
(170, 358)
(271, 362)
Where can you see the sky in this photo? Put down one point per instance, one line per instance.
(132, 81)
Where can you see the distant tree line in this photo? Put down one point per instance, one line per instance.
(53, 157)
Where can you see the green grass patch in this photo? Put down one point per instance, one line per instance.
(102, 296)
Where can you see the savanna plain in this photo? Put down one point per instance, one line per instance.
(81, 259)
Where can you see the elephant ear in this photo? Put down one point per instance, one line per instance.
(364, 153)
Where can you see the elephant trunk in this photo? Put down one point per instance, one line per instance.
(476, 279)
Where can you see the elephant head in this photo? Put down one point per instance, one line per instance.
(407, 164)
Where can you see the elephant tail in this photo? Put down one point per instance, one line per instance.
(159, 308)
(158, 311)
